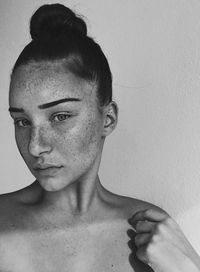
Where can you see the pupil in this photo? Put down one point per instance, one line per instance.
(24, 122)
(61, 117)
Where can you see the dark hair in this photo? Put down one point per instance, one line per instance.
(59, 34)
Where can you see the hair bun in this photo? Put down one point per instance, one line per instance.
(50, 20)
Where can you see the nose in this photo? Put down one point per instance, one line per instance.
(39, 143)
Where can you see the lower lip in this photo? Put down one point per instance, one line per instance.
(50, 171)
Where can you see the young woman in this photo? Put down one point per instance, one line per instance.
(61, 103)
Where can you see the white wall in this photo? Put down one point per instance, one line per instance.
(154, 51)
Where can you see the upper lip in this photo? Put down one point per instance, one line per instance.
(45, 166)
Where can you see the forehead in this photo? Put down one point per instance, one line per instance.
(48, 81)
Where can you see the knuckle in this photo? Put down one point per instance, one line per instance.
(168, 221)
(148, 212)
(138, 225)
(141, 255)
(137, 240)
(160, 228)
(155, 239)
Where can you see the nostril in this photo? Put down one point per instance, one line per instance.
(37, 149)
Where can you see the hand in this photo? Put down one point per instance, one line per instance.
(161, 244)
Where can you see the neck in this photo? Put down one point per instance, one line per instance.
(79, 197)
(75, 198)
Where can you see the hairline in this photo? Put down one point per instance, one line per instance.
(61, 62)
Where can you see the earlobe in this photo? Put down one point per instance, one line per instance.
(110, 118)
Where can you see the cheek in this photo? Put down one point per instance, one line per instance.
(93, 134)
(80, 140)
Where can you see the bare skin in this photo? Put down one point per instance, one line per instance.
(38, 237)
(161, 243)
(66, 220)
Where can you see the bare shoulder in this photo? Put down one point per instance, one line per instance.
(128, 206)
(12, 208)
(26, 195)
(133, 205)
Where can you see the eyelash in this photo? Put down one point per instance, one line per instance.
(17, 122)
(66, 115)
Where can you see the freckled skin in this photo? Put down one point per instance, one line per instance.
(74, 143)
(66, 220)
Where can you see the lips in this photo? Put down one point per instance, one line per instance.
(45, 166)
(44, 171)
(47, 169)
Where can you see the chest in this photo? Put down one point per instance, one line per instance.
(95, 249)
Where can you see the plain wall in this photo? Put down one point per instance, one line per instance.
(153, 48)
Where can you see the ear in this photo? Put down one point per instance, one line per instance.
(110, 118)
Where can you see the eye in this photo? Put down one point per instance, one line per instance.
(21, 123)
(59, 117)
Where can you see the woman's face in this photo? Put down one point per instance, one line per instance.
(58, 126)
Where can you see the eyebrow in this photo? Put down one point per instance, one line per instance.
(54, 103)
(47, 105)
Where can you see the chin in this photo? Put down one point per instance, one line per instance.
(52, 184)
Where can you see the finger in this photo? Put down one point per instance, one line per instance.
(149, 214)
(144, 226)
(141, 254)
(142, 239)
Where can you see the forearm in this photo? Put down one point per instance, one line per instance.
(189, 266)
